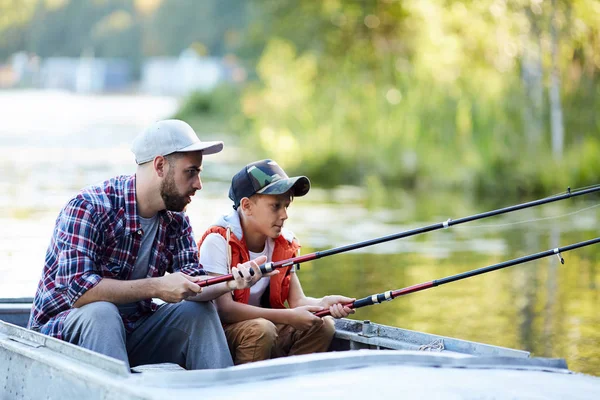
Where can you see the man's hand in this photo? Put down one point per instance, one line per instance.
(244, 278)
(335, 304)
(302, 318)
(176, 287)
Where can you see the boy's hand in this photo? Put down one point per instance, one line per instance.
(246, 274)
(302, 318)
(335, 304)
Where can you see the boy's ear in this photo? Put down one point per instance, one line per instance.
(246, 205)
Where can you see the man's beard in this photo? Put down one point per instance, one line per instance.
(172, 199)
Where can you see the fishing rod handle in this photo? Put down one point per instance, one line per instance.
(264, 268)
(324, 313)
(365, 301)
(215, 280)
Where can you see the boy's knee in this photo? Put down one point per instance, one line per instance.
(261, 329)
(327, 329)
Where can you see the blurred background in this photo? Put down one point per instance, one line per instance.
(402, 114)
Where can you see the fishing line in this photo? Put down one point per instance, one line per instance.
(527, 221)
(270, 266)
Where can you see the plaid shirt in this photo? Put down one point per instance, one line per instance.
(98, 234)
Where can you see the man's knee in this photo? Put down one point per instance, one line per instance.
(94, 325)
(192, 316)
(195, 309)
(103, 311)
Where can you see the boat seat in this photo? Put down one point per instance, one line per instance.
(163, 367)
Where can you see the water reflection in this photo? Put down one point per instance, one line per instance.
(510, 307)
(542, 306)
(551, 290)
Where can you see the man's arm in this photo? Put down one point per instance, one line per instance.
(171, 288)
(76, 244)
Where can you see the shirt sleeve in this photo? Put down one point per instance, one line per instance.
(213, 254)
(77, 239)
(186, 258)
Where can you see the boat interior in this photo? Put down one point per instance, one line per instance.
(359, 347)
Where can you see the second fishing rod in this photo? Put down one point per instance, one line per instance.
(392, 294)
(270, 266)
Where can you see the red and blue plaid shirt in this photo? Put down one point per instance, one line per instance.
(98, 234)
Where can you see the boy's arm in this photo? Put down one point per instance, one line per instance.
(301, 318)
(297, 298)
(243, 279)
(213, 258)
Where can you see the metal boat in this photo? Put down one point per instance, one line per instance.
(366, 359)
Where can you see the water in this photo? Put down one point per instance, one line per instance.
(54, 143)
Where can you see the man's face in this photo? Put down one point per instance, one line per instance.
(181, 181)
(269, 212)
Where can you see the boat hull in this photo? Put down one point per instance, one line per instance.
(387, 360)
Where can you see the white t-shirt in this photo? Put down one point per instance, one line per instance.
(213, 258)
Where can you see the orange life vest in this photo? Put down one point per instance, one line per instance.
(279, 284)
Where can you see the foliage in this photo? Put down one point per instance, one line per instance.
(382, 93)
(214, 111)
(422, 93)
(119, 28)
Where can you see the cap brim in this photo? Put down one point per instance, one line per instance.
(300, 185)
(204, 147)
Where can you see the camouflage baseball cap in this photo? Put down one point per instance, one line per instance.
(265, 177)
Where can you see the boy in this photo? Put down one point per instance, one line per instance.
(257, 324)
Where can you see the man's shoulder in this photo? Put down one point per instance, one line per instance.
(106, 195)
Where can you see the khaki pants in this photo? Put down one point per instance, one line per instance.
(260, 339)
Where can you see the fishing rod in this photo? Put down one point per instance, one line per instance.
(392, 294)
(268, 267)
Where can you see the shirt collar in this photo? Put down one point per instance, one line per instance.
(133, 221)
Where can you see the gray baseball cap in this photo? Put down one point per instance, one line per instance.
(170, 136)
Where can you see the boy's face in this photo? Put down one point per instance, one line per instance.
(268, 213)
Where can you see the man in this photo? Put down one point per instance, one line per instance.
(257, 323)
(111, 249)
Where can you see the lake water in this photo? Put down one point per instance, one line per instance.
(54, 143)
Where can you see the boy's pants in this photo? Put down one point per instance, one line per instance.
(188, 333)
(260, 339)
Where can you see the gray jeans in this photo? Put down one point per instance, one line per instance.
(187, 333)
